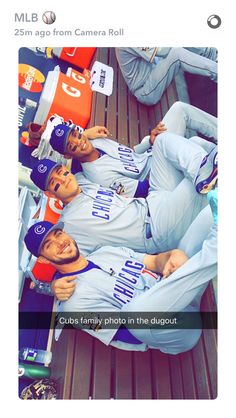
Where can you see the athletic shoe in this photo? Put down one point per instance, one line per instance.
(213, 200)
(208, 173)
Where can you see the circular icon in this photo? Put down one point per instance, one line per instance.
(39, 229)
(49, 17)
(59, 132)
(214, 21)
(42, 168)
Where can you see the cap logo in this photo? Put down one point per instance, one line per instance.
(59, 132)
(42, 168)
(39, 229)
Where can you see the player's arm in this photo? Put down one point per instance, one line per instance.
(149, 140)
(165, 263)
(159, 129)
(96, 132)
(63, 288)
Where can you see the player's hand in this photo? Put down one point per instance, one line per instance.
(63, 288)
(96, 132)
(176, 259)
(160, 128)
(35, 132)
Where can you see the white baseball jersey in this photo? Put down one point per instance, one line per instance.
(98, 216)
(119, 168)
(117, 276)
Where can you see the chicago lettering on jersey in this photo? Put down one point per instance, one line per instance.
(130, 273)
(102, 203)
(126, 157)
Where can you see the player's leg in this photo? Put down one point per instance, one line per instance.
(181, 292)
(183, 116)
(206, 145)
(164, 175)
(166, 69)
(197, 232)
(173, 154)
(173, 203)
(172, 213)
(210, 53)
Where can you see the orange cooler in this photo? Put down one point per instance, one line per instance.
(69, 97)
(81, 57)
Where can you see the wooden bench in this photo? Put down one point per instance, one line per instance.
(85, 367)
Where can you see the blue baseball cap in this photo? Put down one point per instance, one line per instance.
(59, 137)
(37, 234)
(41, 172)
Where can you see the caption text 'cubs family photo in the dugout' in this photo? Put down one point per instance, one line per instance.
(118, 201)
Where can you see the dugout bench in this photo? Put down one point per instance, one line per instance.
(86, 368)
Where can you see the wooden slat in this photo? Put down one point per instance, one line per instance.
(123, 375)
(92, 117)
(161, 375)
(209, 341)
(142, 375)
(133, 121)
(62, 362)
(171, 94)
(143, 120)
(122, 132)
(94, 99)
(201, 376)
(82, 366)
(208, 302)
(176, 377)
(112, 99)
(189, 388)
(158, 113)
(152, 117)
(206, 351)
(101, 385)
(164, 104)
(101, 99)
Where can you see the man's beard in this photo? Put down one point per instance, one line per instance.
(68, 260)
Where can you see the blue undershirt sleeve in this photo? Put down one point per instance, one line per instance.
(76, 166)
(142, 189)
(125, 336)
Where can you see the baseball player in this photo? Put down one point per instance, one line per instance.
(117, 166)
(96, 216)
(148, 72)
(121, 280)
(40, 135)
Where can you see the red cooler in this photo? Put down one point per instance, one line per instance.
(43, 272)
(81, 57)
(69, 97)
